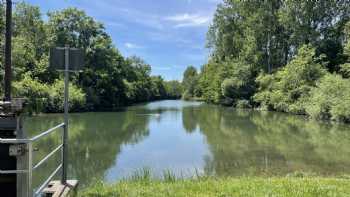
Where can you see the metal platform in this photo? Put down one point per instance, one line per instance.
(57, 189)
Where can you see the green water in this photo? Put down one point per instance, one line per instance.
(190, 138)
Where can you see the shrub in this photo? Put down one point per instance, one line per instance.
(288, 88)
(36, 93)
(56, 101)
(330, 99)
(229, 80)
(48, 98)
(243, 104)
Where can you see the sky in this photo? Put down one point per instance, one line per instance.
(168, 34)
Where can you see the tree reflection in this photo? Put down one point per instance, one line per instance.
(95, 141)
(268, 143)
(189, 118)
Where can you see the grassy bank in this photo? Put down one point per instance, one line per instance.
(254, 187)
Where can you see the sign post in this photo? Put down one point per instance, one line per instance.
(66, 118)
(69, 60)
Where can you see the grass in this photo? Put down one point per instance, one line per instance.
(142, 184)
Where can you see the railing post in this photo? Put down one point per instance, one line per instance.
(66, 121)
(30, 170)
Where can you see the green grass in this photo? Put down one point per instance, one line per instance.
(211, 186)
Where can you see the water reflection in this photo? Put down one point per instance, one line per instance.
(269, 143)
(95, 141)
(188, 136)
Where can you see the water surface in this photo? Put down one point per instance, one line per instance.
(191, 137)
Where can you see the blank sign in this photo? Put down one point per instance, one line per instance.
(76, 59)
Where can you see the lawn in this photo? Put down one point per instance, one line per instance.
(254, 187)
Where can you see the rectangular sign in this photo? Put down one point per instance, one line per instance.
(76, 59)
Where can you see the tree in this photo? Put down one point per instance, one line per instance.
(249, 31)
(288, 89)
(30, 44)
(102, 78)
(318, 23)
(174, 89)
(345, 68)
(108, 80)
(190, 81)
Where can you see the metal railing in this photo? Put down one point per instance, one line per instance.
(31, 167)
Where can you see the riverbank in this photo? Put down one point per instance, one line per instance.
(224, 187)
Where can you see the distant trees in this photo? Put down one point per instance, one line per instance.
(280, 55)
(174, 89)
(108, 80)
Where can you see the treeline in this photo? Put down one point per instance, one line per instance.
(108, 80)
(284, 55)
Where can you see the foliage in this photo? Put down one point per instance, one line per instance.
(36, 93)
(269, 33)
(292, 43)
(174, 89)
(330, 99)
(242, 104)
(345, 68)
(189, 83)
(288, 88)
(48, 98)
(76, 97)
(108, 80)
(229, 80)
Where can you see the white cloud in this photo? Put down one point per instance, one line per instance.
(189, 20)
(132, 46)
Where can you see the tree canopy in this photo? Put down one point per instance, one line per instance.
(279, 55)
(108, 80)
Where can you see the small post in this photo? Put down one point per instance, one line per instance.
(66, 120)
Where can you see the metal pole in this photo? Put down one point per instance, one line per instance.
(30, 170)
(8, 69)
(66, 121)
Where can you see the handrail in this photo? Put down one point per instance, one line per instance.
(47, 132)
(47, 157)
(14, 141)
(13, 171)
(30, 169)
(26, 141)
(47, 181)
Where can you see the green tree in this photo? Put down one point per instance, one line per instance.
(102, 78)
(174, 89)
(319, 23)
(288, 89)
(345, 68)
(108, 80)
(190, 81)
(30, 44)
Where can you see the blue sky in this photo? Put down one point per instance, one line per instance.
(167, 34)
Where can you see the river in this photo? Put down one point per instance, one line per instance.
(190, 138)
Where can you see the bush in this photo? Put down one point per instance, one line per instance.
(56, 102)
(36, 93)
(229, 80)
(288, 88)
(243, 104)
(330, 99)
(48, 98)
